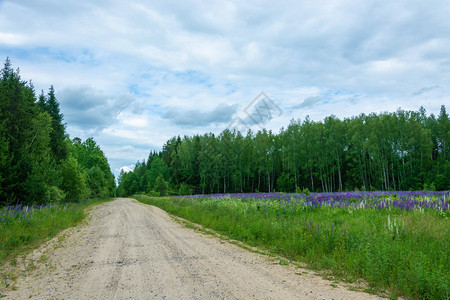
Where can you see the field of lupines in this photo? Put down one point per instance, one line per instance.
(398, 242)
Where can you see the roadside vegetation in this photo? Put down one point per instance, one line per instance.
(46, 178)
(397, 242)
(24, 226)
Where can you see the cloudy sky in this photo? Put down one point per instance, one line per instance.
(132, 74)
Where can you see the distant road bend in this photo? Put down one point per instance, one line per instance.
(129, 250)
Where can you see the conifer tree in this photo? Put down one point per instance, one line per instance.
(57, 136)
(34, 163)
(28, 173)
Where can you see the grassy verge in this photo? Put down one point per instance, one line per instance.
(23, 228)
(403, 253)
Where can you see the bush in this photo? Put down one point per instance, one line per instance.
(304, 191)
(74, 180)
(161, 186)
(152, 193)
(184, 189)
(55, 195)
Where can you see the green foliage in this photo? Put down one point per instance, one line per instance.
(74, 180)
(429, 187)
(304, 191)
(50, 105)
(158, 168)
(29, 227)
(285, 183)
(402, 252)
(128, 184)
(99, 178)
(34, 149)
(161, 186)
(28, 170)
(401, 150)
(97, 182)
(153, 194)
(3, 160)
(55, 195)
(44, 175)
(91, 158)
(184, 189)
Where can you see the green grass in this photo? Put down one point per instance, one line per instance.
(25, 230)
(398, 252)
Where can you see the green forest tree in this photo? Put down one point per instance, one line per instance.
(38, 163)
(161, 186)
(402, 150)
(57, 134)
(100, 179)
(74, 180)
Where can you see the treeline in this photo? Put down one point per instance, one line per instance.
(38, 162)
(403, 150)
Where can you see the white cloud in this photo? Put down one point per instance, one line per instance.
(126, 168)
(120, 69)
(132, 120)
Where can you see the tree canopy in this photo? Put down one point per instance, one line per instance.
(402, 150)
(38, 161)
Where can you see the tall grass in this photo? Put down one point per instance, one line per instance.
(403, 252)
(22, 227)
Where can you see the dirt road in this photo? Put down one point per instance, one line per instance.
(133, 251)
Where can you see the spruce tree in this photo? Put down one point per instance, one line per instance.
(16, 115)
(27, 173)
(57, 136)
(42, 102)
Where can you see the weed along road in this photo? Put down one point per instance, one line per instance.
(128, 250)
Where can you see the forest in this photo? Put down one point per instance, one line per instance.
(402, 150)
(39, 163)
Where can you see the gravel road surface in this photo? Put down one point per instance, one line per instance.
(128, 250)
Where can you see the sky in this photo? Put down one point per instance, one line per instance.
(132, 74)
